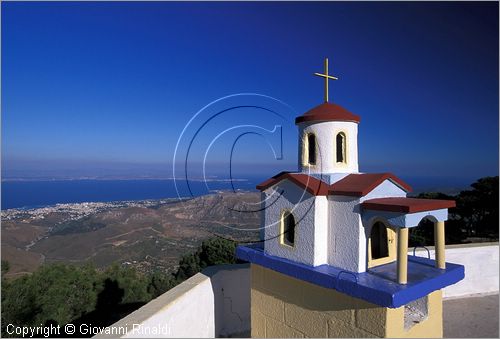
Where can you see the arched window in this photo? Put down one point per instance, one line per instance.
(340, 151)
(288, 228)
(311, 149)
(379, 245)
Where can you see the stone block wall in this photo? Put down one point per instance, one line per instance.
(282, 306)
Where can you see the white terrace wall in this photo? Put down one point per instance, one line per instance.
(481, 268)
(213, 303)
(216, 302)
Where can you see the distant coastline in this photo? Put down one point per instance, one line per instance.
(117, 178)
(42, 192)
(79, 210)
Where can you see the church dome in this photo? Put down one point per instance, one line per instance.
(327, 112)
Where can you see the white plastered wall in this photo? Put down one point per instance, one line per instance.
(263, 202)
(321, 231)
(326, 133)
(347, 238)
(310, 239)
(212, 303)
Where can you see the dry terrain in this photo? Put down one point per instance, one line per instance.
(148, 236)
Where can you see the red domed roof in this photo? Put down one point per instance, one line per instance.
(327, 112)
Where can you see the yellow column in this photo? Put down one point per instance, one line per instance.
(402, 255)
(439, 244)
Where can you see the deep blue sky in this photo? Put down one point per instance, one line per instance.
(107, 87)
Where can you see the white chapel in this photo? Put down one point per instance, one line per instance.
(328, 213)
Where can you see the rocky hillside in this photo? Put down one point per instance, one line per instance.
(148, 235)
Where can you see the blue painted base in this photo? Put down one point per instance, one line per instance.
(378, 285)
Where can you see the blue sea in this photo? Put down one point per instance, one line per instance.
(30, 194)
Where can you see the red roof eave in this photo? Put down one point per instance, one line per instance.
(357, 185)
(407, 205)
(312, 185)
(328, 111)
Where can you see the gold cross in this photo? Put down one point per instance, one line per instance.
(326, 76)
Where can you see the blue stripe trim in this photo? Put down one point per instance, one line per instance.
(378, 285)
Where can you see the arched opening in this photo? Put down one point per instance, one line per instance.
(379, 242)
(311, 149)
(288, 228)
(430, 231)
(340, 150)
(423, 234)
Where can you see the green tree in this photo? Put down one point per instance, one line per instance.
(217, 251)
(134, 286)
(56, 292)
(189, 265)
(18, 303)
(214, 251)
(478, 208)
(5, 267)
(476, 215)
(160, 282)
(66, 293)
(423, 235)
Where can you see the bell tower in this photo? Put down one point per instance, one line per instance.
(328, 137)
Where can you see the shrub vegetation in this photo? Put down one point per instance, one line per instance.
(58, 294)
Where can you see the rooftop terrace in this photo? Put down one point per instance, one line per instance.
(216, 302)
